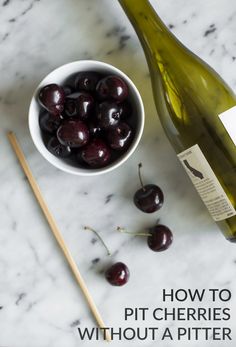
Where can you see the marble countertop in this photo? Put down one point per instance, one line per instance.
(40, 303)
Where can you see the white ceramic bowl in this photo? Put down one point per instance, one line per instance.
(58, 76)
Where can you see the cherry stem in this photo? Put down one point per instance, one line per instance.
(123, 230)
(99, 237)
(140, 177)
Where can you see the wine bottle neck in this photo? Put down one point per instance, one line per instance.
(155, 37)
(141, 12)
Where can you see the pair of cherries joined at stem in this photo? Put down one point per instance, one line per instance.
(149, 198)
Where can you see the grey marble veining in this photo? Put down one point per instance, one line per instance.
(40, 302)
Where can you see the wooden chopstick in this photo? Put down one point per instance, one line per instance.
(51, 221)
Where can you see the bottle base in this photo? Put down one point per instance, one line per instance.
(232, 239)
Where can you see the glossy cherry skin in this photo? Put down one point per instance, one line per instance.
(87, 81)
(112, 87)
(108, 115)
(52, 98)
(79, 104)
(119, 138)
(73, 133)
(94, 129)
(118, 274)
(160, 239)
(56, 148)
(96, 154)
(149, 199)
(125, 110)
(49, 122)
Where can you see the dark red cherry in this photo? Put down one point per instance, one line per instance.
(119, 137)
(87, 80)
(78, 158)
(112, 87)
(108, 115)
(149, 198)
(73, 133)
(49, 122)
(52, 98)
(96, 154)
(56, 148)
(79, 104)
(125, 110)
(160, 239)
(68, 90)
(118, 274)
(94, 129)
(71, 109)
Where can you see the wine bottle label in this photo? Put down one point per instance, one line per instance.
(228, 118)
(206, 183)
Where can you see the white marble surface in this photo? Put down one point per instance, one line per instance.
(40, 303)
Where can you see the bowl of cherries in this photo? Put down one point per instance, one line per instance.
(86, 117)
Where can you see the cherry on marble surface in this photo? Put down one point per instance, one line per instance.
(160, 238)
(118, 274)
(149, 198)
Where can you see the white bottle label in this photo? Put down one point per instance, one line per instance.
(228, 118)
(206, 183)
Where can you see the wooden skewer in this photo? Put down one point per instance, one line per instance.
(51, 221)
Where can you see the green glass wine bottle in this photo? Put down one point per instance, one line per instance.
(197, 110)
